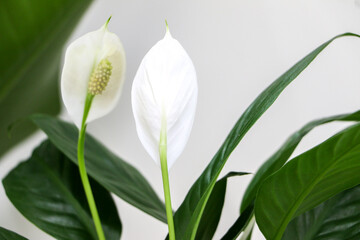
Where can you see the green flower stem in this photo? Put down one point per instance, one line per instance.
(82, 169)
(165, 177)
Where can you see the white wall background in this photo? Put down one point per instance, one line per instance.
(238, 47)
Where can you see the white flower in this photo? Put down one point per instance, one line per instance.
(164, 91)
(94, 64)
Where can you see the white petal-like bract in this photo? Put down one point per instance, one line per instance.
(81, 58)
(165, 87)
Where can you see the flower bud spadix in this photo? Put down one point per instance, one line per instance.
(100, 77)
(94, 64)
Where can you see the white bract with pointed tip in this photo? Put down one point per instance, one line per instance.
(164, 91)
(94, 64)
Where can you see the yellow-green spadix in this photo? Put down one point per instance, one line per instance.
(164, 93)
(94, 64)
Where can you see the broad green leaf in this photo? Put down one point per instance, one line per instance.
(33, 34)
(279, 158)
(308, 180)
(240, 224)
(47, 190)
(211, 217)
(337, 218)
(187, 217)
(9, 235)
(105, 167)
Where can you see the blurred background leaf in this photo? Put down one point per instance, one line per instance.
(33, 34)
(47, 190)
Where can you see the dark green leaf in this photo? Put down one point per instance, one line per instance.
(240, 224)
(9, 235)
(188, 215)
(336, 219)
(32, 37)
(277, 160)
(211, 217)
(110, 171)
(47, 190)
(308, 180)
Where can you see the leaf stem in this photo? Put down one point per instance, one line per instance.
(165, 177)
(82, 169)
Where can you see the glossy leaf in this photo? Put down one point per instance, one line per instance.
(33, 34)
(10, 235)
(211, 217)
(308, 180)
(47, 190)
(105, 167)
(279, 158)
(337, 218)
(188, 215)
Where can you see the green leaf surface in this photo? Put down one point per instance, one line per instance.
(33, 34)
(211, 217)
(308, 180)
(110, 171)
(335, 219)
(10, 235)
(187, 217)
(47, 190)
(279, 158)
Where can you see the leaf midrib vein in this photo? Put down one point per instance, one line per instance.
(304, 193)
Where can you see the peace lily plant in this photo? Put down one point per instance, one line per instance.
(91, 84)
(288, 198)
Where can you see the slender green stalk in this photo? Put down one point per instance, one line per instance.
(165, 177)
(82, 169)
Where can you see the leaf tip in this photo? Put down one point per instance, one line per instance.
(107, 22)
(167, 29)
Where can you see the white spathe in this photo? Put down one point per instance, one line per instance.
(165, 87)
(81, 57)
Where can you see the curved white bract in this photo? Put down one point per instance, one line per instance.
(165, 91)
(81, 58)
